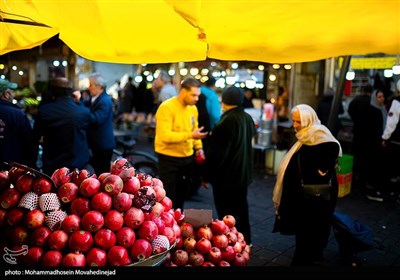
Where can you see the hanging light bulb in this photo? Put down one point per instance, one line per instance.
(396, 67)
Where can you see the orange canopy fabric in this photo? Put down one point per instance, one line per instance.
(161, 31)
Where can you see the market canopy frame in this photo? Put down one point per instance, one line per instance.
(164, 31)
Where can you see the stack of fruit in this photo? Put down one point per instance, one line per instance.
(216, 244)
(119, 218)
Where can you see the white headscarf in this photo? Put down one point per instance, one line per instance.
(312, 133)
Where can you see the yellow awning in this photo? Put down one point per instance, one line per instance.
(160, 31)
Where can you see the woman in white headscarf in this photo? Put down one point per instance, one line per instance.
(312, 158)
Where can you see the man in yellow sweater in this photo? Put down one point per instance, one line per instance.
(178, 140)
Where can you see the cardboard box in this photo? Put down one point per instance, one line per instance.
(198, 217)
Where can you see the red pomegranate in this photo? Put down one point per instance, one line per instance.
(101, 202)
(79, 175)
(52, 258)
(228, 253)
(196, 259)
(58, 240)
(61, 176)
(9, 198)
(131, 185)
(122, 201)
(92, 221)
(203, 245)
(112, 184)
(187, 230)
(34, 218)
(180, 257)
(80, 206)
(147, 230)
(96, 257)
(71, 223)
(133, 217)
(204, 231)
(15, 216)
(74, 259)
(68, 192)
(42, 185)
(125, 237)
(220, 241)
(40, 236)
(25, 182)
(104, 239)
(214, 256)
(229, 220)
(80, 241)
(33, 257)
(89, 187)
(113, 220)
(118, 256)
(140, 250)
(189, 244)
(167, 203)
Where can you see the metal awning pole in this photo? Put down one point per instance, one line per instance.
(339, 93)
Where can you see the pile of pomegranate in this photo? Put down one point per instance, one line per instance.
(216, 244)
(119, 218)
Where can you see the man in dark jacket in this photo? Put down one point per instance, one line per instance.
(60, 127)
(101, 131)
(357, 111)
(229, 159)
(16, 142)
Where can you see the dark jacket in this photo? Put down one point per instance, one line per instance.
(63, 125)
(16, 142)
(323, 111)
(294, 210)
(101, 132)
(230, 153)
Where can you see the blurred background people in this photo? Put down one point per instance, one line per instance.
(391, 140)
(16, 138)
(60, 127)
(163, 85)
(248, 98)
(282, 105)
(178, 140)
(376, 156)
(100, 133)
(213, 104)
(229, 160)
(357, 110)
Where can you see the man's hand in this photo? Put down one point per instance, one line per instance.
(198, 134)
(76, 95)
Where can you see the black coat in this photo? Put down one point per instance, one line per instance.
(16, 141)
(297, 213)
(63, 125)
(230, 153)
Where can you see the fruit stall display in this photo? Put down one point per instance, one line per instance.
(120, 218)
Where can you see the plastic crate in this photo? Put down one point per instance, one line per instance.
(344, 183)
(345, 164)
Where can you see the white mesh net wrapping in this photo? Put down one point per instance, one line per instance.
(160, 242)
(53, 219)
(29, 201)
(49, 202)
